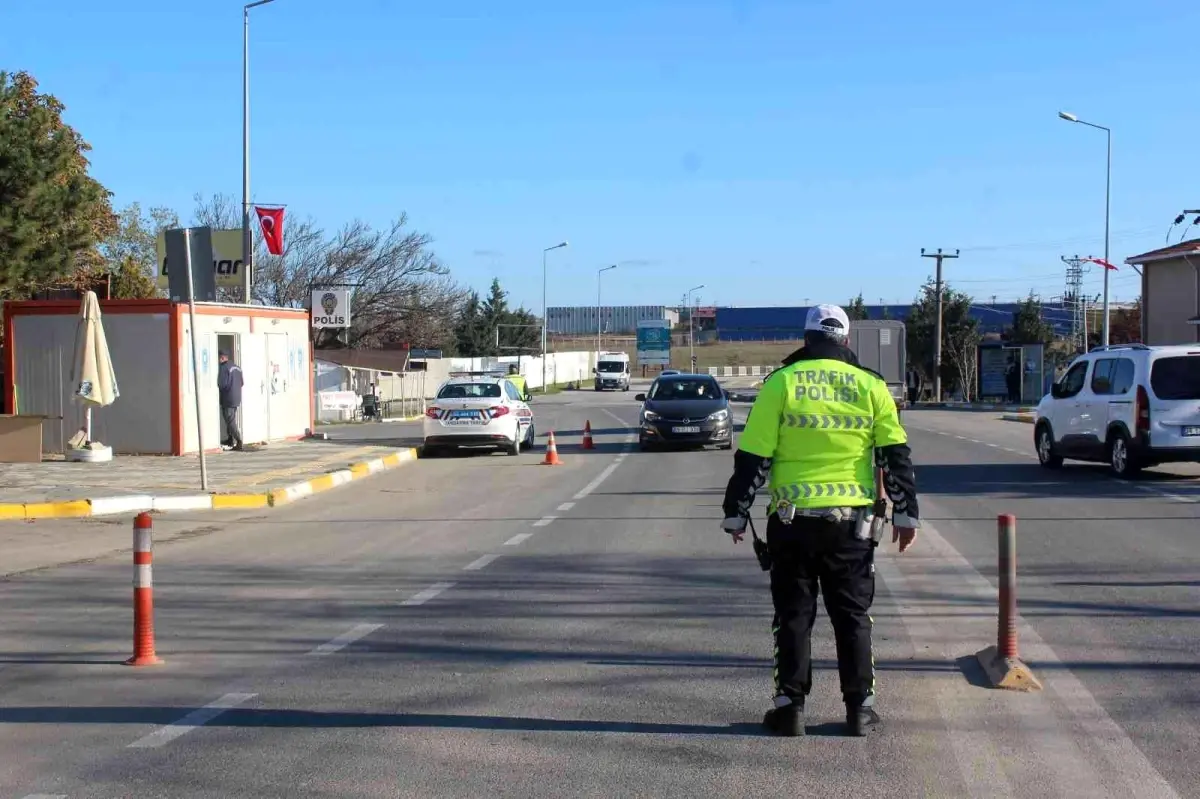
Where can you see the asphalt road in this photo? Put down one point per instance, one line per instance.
(485, 625)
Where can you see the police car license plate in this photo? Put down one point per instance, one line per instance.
(1191, 431)
(463, 415)
(685, 429)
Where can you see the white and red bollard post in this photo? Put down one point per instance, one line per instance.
(1001, 662)
(143, 593)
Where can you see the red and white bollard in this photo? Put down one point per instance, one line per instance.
(143, 593)
(1001, 662)
(1006, 627)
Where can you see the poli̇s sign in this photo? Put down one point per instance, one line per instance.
(330, 308)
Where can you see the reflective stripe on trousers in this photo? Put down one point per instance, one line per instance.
(797, 491)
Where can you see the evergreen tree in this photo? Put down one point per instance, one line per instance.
(959, 330)
(857, 309)
(1028, 325)
(52, 213)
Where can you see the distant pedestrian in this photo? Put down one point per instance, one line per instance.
(912, 380)
(1012, 380)
(229, 386)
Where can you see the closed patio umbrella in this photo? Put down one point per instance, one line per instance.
(94, 383)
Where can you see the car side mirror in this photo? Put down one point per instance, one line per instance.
(640, 397)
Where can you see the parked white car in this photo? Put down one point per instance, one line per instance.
(1131, 406)
(478, 409)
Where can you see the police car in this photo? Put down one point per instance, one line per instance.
(478, 410)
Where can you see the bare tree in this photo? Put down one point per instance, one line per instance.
(401, 292)
(963, 352)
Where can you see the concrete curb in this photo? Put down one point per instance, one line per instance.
(108, 506)
(1024, 418)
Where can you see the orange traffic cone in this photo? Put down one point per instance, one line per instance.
(587, 435)
(551, 452)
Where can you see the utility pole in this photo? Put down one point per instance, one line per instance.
(937, 341)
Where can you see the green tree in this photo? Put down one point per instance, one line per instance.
(959, 332)
(886, 313)
(1028, 325)
(52, 213)
(1125, 325)
(470, 330)
(857, 309)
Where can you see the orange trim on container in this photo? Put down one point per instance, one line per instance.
(10, 361)
(312, 387)
(252, 311)
(174, 343)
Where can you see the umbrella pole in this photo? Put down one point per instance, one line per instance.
(87, 424)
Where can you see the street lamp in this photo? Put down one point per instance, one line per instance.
(247, 238)
(692, 329)
(1107, 197)
(545, 321)
(599, 272)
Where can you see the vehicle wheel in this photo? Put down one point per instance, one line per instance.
(514, 448)
(1120, 459)
(645, 446)
(429, 452)
(1044, 442)
(530, 437)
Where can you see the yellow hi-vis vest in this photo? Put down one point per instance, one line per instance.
(519, 382)
(820, 422)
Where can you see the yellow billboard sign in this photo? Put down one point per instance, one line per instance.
(227, 258)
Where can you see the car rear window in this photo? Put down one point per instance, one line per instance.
(470, 391)
(1176, 378)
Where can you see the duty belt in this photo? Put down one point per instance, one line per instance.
(787, 512)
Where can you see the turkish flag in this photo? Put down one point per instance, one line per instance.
(1102, 262)
(271, 221)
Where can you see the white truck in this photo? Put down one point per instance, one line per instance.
(612, 371)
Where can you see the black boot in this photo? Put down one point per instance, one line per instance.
(787, 721)
(861, 720)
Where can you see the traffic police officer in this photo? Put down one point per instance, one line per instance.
(517, 379)
(820, 427)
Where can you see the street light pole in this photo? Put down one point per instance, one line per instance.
(599, 272)
(247, 238)
(692, 330)
(1104, 339)
(545, 322)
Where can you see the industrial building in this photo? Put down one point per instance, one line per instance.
(581, 320)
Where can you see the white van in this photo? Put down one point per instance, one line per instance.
(612, 371)
(1130, 405)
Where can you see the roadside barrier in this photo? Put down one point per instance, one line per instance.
(143, 593)
(1002, 662)
(551, 452)
(587, 435)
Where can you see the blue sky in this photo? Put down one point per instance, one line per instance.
(773, 151)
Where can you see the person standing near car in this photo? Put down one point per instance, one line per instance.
(823, 424)
(517, 379)
(229, 391)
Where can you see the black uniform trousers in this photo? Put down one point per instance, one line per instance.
(232, 432)
(811, 554)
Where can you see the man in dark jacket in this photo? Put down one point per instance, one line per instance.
(229, 385)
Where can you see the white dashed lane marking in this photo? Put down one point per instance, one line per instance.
(518, 539)
(566, 506)
(480, 563)
(192, 721)
(545, 520)
(421, 597)
(345, 639)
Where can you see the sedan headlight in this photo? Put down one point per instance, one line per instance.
(649, 416)
(719, 416)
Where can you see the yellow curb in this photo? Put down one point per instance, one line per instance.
(239, 501)
(322, 483)
(1024, 418)
(283, 496)
(13, 511)
(58, 510)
